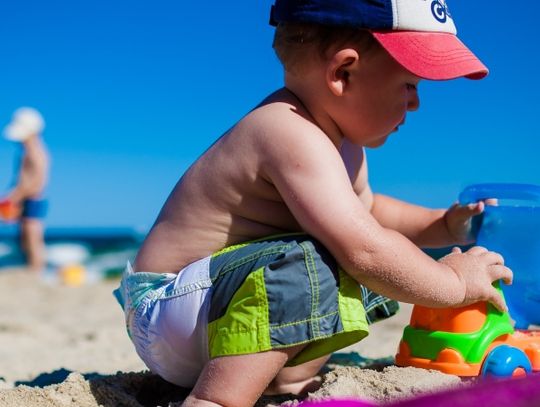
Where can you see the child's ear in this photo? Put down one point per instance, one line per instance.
(338, 70)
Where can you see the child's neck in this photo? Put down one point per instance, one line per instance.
(313, 101)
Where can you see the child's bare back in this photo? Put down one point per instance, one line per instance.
(227, 196)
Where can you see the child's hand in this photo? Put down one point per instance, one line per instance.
(477, 269)
(458, 220)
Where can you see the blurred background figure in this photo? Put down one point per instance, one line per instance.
(25, 202)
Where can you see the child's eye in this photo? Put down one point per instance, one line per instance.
(411, 86)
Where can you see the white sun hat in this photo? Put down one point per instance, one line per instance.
(25, 123)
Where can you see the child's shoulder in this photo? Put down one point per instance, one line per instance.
(281, 120)
(279, 137)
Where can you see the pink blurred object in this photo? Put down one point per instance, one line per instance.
(337, 403)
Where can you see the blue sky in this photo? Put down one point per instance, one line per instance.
(134, 91)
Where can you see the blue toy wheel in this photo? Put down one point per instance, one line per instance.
(503, 361)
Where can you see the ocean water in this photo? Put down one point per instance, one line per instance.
(100, 252)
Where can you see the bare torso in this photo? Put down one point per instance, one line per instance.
(33, 172)
(225, 197)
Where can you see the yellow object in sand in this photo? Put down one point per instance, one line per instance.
(73, 274)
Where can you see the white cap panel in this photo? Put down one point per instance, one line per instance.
(422, 15)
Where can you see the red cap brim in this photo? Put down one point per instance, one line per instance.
(432, 55)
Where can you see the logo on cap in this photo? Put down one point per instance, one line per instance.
(440, 11)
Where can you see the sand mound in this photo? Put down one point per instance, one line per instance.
(390, 384)
(123, 389)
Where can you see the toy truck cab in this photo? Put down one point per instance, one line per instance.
(470, 341)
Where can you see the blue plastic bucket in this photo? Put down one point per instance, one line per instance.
(512, 228)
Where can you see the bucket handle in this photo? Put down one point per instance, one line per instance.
(479, 192)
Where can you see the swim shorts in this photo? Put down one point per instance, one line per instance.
(34, 208)
(254, 297)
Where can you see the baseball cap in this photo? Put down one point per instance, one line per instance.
(25, 122)
(419, 34)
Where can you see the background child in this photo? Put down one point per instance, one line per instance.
(25, 202)
(272, 250)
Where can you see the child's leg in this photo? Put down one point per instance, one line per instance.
(299, 379)
(238, 381)
(32, 243)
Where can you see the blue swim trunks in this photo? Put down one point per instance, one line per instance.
(248, 298)
(34, 208)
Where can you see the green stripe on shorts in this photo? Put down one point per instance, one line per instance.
(244, 327)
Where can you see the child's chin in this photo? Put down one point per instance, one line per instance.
(376, 143)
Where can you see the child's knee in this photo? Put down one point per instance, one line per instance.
(220, 383)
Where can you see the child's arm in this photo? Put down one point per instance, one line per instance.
(25, 188)
(309, 173)
(424, 227)
(427, 227)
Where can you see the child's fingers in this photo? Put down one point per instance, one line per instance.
(497, 300)
(477, 250)
(467, 211)
(500, 272)
(479, 208)
(493, 258)
(456, 249)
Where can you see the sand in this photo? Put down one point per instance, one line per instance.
(66, 346)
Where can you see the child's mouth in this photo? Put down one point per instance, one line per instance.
(401, 123)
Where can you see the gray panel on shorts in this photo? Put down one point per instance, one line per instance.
(302, 292)
(229, 270)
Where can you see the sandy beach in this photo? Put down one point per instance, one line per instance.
(66, 346)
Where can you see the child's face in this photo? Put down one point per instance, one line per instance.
(381, 92)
